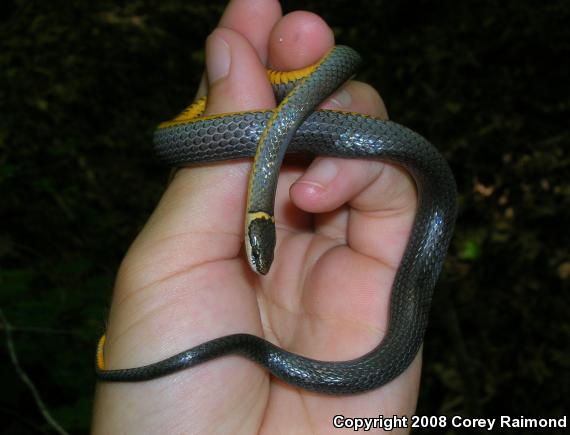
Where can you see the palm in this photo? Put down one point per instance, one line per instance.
(322, 299)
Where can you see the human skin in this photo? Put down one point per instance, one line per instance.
(342, 226)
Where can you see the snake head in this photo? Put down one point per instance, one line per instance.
(260, 242)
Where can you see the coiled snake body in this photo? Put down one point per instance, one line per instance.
(295, 126)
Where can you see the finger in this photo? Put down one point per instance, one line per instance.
(353, 97)
(299, 39)
(238, 80)
(381, 198)
(330, 182)
(254, 20)
(357, 97)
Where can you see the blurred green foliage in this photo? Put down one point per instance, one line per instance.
(83, 84)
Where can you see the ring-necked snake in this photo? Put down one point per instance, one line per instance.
(295, 126)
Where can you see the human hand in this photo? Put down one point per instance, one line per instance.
(342, 226)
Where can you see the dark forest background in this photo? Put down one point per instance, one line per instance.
(83, 84)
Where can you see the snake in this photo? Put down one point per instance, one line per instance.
(296, 125)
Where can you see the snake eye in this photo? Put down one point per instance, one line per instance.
(261, 236)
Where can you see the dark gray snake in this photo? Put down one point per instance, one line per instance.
(265, 135)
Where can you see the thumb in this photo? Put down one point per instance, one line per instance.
(204, 205)
(237, 79)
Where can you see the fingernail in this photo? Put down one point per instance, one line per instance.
(320, 173)
(218, 58)
(340, 100)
